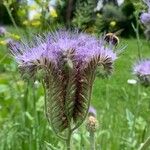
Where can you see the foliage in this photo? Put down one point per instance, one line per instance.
(123, 16)
(84, 14)
(109, 13)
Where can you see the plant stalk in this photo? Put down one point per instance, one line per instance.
(145, 145)
(10, 15)
(68, 141)
(139, 44)
(92, 140)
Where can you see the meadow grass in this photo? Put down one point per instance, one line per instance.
(122, 109)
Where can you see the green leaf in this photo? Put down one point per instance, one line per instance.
(4, 88)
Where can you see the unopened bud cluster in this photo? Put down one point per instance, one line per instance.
(92, 124)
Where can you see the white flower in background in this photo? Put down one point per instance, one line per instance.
(120, 2)
(132, 81)
(101, 2)
(99, 5)
(34, 10)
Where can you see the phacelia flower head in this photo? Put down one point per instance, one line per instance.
(2, 31)
(68, 61)
(142, 70)
(145, 18)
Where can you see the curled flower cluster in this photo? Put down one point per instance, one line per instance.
(142, 71)
(68, 61)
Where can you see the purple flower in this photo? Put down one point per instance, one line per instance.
(142, 70)
(2, 31)
(68, 61)
(10, 43)
(147, 2)
(145, 18)
(56, 47)
(92, 111)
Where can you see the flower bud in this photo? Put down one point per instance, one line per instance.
(92, 124)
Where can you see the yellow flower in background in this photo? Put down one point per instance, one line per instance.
(15, 36)
(35, 23)
(32, 7)
(26, 22)
(113, 23)
(98, 15)
(37, 16)
(3, 43)
(53, 13)
(21, 12)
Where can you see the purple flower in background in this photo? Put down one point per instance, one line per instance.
(68, 61)
(147, 2)
(145, 18)
(2, 31)
(142, 70)
(92, 111)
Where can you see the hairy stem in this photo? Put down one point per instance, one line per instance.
(92, 140)
(139, 44)
(68, 141)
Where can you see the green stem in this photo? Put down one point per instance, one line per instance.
(145, 145)
(92, 140)
(3, 58)
(139, 44)
(68, 141)
(10, 15)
